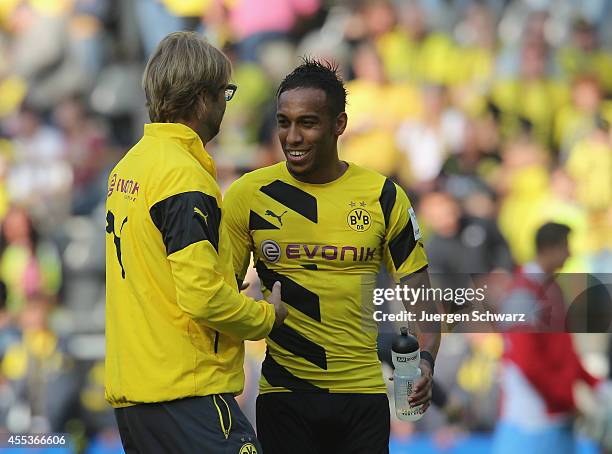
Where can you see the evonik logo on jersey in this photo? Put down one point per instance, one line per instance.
(128, 187)
(299, 251)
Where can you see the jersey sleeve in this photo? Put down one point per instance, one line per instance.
(403, 247)
(189, 223)
(236, 219)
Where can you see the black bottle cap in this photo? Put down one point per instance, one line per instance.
(405, 343)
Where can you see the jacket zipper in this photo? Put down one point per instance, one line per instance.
(216, 342)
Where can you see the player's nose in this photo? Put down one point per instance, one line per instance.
(294, 136)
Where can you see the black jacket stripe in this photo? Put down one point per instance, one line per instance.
(293, 198)
(256, 222)
(292, 293)
(187, 218)
(299, 345)
(402, 245)
(277, 375)
(387, 200)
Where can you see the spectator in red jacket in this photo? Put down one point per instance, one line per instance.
(540, 364)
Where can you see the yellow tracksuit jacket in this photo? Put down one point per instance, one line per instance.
(175, 321)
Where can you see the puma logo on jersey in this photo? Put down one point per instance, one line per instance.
(110, 228)
(196, 210)
(274, 215)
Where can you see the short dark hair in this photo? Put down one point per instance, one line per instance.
(550, 235)
(324, 75)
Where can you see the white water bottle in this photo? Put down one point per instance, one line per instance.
(406, 357)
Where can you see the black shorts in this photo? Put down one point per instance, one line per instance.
(210, 424)
(297, 423)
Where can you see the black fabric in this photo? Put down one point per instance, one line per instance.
(429, 358)
(292, 341)
(310, 266)
(302, 423)
(292, 293)
(187, 218)
(277, 375)
(256, 222)
(387, 200)
(184, 426)
(402, 245)
(293, 198)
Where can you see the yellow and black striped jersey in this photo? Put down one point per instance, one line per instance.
(325, 244)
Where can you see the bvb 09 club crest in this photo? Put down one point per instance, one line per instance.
(359, 219)
(248, 448)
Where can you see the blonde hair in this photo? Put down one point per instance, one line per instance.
(182, 67)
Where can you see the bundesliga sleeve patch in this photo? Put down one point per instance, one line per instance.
(415, 225)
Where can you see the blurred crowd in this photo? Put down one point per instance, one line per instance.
(494, 115)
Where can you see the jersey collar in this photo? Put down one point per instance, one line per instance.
(187, 137)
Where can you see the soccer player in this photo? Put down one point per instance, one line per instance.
(175, 320)
(322, 227)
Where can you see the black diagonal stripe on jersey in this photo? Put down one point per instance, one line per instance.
(310, 266)
(387, 199)
(187, 218)
(277, 375)
(293, 198)
(402, 245)
(256, 222)
(292, 293)
(292, 341)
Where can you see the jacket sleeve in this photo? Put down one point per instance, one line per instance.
(189, 223)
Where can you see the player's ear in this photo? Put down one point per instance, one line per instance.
(200, 105)
(340, 126)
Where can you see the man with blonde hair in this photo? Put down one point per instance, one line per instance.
(175, 320)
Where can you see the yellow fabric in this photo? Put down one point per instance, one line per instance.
(520, 212)
(575, 62)
(430, 60)
(12, 92)
(162, 317)
(374, 113)
(187, 8)
(52, 7)
(342, 281)
(473, 65)
(574, 216)
(590, 165)
(7, 7)
(571, 125)
(535, 101)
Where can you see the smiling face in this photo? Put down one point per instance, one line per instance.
(308, 133)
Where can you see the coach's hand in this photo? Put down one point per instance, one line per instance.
(421, 393)
(280, 309)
